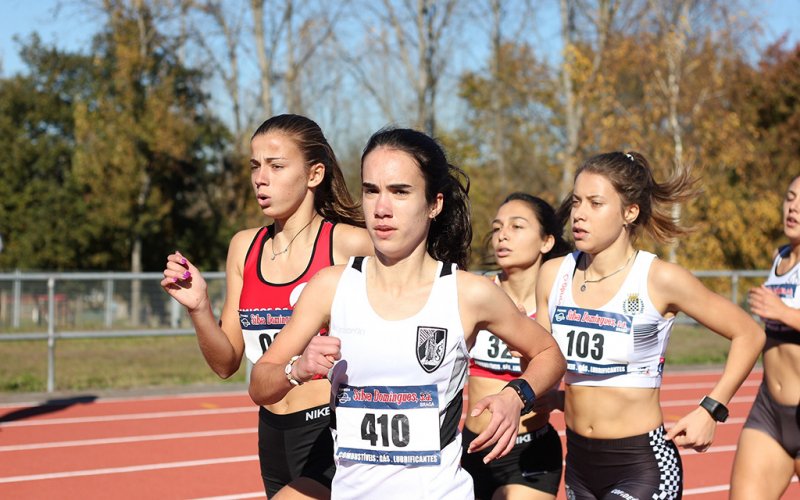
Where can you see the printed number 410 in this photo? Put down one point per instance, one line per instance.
(374, 429)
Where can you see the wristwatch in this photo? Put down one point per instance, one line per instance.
(288, 371)
(525, 393)
(717, 410)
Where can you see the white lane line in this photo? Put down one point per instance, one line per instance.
(716, 488)
(255, 494)
(130, 416)
(695, 402)
(134, 468)
(128, 439)
(116, 399)
(703, 385)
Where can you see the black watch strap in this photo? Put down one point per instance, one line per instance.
(717, 410)
(525, 393)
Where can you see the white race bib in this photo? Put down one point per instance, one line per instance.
(392, 425)
(593, 342)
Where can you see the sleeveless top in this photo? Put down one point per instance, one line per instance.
(490, 357)
(785, 287)
(397, 393)
(265, 307)
(622, 344)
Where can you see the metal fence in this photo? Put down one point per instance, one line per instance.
(54, 306)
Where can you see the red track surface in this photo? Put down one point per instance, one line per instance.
(204, 445)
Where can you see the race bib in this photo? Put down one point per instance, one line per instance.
(593, 342)
(493, 354)
(392, 425)
(260, 327)
(786, 292)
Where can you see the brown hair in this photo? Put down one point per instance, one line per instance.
(331, 198)
(633, 180)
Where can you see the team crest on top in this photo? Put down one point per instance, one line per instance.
(633, 304)
(431, 342)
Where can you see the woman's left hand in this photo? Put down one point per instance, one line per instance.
(502, 430)
(695, 430)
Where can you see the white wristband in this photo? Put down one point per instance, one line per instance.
(288, 371)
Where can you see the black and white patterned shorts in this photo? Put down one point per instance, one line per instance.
(639, 467)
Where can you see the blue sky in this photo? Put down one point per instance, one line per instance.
(69, 28)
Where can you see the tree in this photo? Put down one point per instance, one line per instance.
(41, 207)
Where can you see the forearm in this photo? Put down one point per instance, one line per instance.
(742, 356)
(790, 317)
(268, 383)
(214, 344)
(545, 370)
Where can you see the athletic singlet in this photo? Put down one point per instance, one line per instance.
(265, 307)
(785, 286)
(490, 357)
(397, 394)
(620, 345)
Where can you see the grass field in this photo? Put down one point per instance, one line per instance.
(137, 363)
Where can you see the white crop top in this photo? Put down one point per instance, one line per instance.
(621, 344)
(785, 287)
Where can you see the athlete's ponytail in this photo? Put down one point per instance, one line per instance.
(450, 233)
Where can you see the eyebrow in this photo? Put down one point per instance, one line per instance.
(513, 217)
(267, 159)
(390, 186)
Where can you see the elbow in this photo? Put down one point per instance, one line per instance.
(259, 396)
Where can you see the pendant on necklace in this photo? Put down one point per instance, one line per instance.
(583, 287)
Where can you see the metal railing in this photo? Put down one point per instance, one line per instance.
(55, 306)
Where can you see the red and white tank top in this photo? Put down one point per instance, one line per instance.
(265, 307)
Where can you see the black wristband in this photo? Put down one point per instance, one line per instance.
(717, 410)
(525, 393)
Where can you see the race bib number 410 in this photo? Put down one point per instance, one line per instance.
(594, 342)
(393, 425)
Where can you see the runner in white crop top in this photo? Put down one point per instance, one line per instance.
(611, 308)
(768, 451)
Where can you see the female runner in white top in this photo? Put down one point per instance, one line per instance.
(611, 308)
(401, 327)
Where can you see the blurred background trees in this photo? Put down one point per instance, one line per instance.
(119, 153)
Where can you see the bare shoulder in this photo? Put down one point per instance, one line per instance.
(350, 240)
(240, 244)
(475, 288)
(549, 270)
(668, 275)
(328, 277)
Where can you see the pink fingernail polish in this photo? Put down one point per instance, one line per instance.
(187, 275)
(183, 260)
(174, 280)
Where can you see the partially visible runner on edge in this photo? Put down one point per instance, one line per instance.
(298, 183)
(525, 233)
(401, 325)
(768, 453)
(611, 308)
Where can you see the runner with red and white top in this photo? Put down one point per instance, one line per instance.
(299, 185)
(525, 233)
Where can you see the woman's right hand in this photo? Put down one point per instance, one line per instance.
(318, 358)
(183, 282)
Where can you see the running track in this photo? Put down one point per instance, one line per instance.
(204, 445)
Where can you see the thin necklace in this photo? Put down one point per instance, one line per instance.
(585, 281)
(275, 254)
